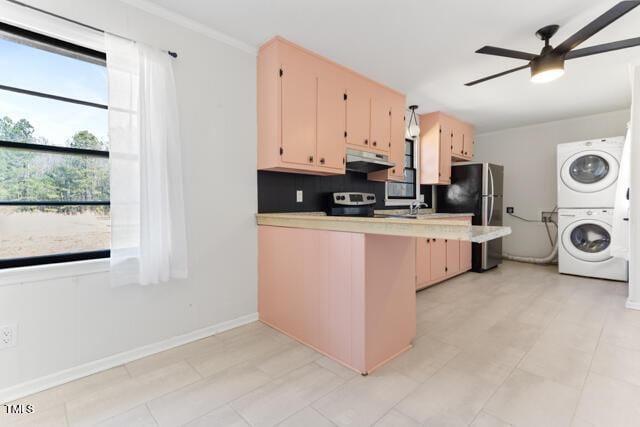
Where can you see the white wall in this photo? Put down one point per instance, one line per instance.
(529, 158)
(71, 321)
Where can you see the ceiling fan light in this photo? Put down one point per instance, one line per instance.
(547, 68)
(547, 76)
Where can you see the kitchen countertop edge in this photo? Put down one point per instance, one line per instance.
(436, 226)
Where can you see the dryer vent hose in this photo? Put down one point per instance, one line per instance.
(546, 260)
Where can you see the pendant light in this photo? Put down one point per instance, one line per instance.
(413, 128)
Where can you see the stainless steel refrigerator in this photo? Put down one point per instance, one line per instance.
(476, 188)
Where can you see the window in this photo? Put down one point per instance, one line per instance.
(54, 152)
(407, 190)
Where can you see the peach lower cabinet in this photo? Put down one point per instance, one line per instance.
(440, 259)
(346, 286)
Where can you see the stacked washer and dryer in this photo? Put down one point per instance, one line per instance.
(587, 178)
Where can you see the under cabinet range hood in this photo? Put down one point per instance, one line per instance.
(364, 161)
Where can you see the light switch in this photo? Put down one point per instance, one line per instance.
(299, 196)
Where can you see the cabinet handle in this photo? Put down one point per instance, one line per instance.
(375, 144)
(322, 161)
(366, 142)
(393, 171)
(310, 159)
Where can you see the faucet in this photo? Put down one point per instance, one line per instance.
(414, 207)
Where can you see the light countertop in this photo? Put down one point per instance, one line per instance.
(430, 225)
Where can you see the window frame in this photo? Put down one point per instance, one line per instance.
(406, 201)
(51, 44)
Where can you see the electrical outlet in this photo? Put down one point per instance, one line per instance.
(8, 336)
(510, 210)
(548, 216)
(299, 196)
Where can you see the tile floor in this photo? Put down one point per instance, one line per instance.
(519, 346)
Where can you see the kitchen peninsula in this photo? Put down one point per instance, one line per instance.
(346, 285)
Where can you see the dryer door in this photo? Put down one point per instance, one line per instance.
(588, 240)
(589, 171)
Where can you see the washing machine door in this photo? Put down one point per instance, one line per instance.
(589, 171)
(588, 240)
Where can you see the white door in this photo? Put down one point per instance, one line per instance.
(590, 171)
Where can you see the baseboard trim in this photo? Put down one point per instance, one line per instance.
(633, 305)
(43, 383)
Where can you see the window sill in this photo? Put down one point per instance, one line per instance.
(37, 273)
(398, 202)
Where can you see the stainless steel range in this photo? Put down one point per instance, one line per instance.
(351, 204)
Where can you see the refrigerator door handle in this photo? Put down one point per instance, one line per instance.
(490, 212)
(491, 195)
(493, 189)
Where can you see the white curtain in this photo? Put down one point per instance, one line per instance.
(148, 237)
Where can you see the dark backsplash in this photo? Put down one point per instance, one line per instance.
(277, 190)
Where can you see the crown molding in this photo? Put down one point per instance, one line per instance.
(183, 21)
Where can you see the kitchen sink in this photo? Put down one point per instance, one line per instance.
(411, 216)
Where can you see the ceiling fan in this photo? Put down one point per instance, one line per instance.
(548, 65)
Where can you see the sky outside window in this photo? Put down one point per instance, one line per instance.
(34, 69)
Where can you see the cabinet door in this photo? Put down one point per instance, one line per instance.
(438, 259)
(358, 112)
(396, 151)
(453, 256)
(332, 118)
(423, 261)
(465, 256)
(469, 141)
(444, 174)
(299, 101)
(380, 121)
(397, 148)
(457, 139)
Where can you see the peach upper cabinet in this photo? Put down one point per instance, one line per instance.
(301, 111)
(442, 138)
(396, 108)
(310, 109)
(463, 140)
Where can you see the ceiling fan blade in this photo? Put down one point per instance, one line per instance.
(475, 82)
(498, 51)
(596, 25)
(603, 48)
